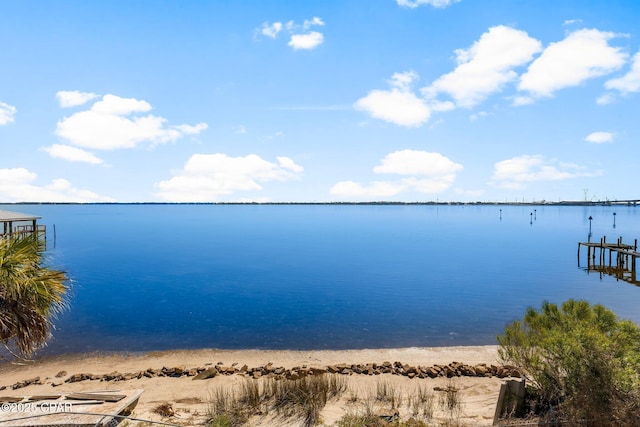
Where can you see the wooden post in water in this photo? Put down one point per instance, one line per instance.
(578, 254)
(609, 257)
(633, 268)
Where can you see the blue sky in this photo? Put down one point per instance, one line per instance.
(350, 100)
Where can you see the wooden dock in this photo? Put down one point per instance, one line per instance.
(86, 409)
(622, 266)
(16, 223)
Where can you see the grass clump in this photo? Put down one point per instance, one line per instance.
(384, 404)
(371, 420)
(421, 403)
(450, 402)
(228, 408)
(225, 409)
(303, 398)
(386, 392)
(361, 420)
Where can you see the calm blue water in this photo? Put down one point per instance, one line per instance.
(152, 277)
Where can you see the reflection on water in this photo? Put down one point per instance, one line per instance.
(621, 259)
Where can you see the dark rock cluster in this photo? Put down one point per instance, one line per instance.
(454, 369)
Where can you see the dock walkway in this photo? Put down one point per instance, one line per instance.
(623, 266)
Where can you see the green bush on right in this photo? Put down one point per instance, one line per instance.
(582, 362)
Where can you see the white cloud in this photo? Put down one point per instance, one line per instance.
(112, 123)
(395, 106)
(519, 101)
(207, 177)
(72, 154)
(514, 173)
(73, 98)
(421, 171)
(117, 106)
(398, 105)
(435, 3)
(441, 106)
(7, 113)
(271, 30)
(431, 185)
(606, 98)
(630, 82)
(599, 137)
(16, 185)
(486, 66)
(572, 21)
(414, 162)
(192, 129)
(306, 41)
(308, 23)
(241, 129)
(582, 55)
(301, 38)
(290, 165)
(403, 81)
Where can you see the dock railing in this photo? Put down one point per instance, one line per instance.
(21, 230)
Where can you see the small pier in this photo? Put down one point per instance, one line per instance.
(622, 266)
(16, 223)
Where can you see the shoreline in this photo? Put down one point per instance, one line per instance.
(189, 398)
(606, 202)
(476, 351)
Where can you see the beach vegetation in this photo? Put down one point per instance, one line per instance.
(32, 294)
(421, 403)
(582, 363)
(387, 392)
(450, 403)
(305, 397)
(372, 420)
(385, 403)
(226, 409)
(302, 398)
(361, 420)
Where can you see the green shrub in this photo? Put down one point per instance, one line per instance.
(582, 361)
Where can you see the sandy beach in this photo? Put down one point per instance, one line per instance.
(188, 397)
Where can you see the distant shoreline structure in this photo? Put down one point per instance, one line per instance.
(631, 202)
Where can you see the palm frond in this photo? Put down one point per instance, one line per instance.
(31, 294)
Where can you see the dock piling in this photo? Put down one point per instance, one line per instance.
(625, 263)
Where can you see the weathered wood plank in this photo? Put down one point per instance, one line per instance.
(96, 396)
(70, 413)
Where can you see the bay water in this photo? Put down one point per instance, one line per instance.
(154, 276)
